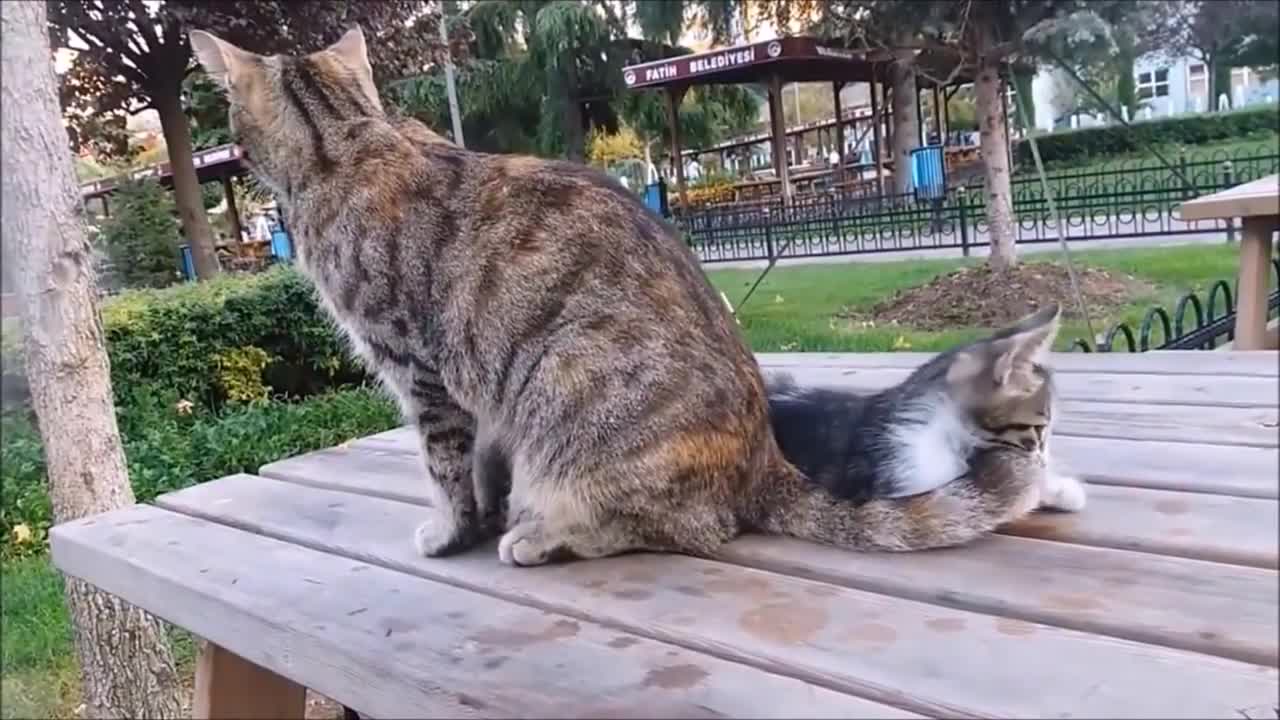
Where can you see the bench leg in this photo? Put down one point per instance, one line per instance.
(1251, 292)
(228, 686)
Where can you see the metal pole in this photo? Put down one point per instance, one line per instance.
(449, 85)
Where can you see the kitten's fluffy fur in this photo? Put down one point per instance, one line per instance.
(538, 323)
(959, 422)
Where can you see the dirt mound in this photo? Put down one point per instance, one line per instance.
(977, 297)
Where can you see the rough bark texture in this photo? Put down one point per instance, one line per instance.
(575, 136)
(995, 163)
(906, 128)
(127, 667)
(186, 186)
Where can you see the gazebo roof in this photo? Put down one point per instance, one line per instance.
(794, 59)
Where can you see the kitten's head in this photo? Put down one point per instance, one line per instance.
(1004, 383)
(286, 111)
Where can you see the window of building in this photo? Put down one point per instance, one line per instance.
(1240, 82)
(1198, 84)
(1153, 84)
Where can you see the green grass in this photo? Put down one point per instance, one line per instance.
(794, 309)
(38, 675)
(1250, 145)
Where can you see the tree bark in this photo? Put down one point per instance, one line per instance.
(125, 661)
(995, 163)
(906, 128)
(186, 186)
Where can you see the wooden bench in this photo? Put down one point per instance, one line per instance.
(1159, 600)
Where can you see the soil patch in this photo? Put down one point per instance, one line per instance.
(977, 297)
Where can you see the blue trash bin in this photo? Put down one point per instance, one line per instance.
(281, 245)
(655, 198)
(928, 173)
(188, 263)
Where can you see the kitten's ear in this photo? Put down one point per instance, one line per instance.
(352, 52)
(1027, 341)
(220, 59)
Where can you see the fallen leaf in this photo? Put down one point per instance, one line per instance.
(21, 534)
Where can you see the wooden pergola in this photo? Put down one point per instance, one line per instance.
(774, 63)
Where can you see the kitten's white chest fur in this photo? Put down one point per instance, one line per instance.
(933, 443)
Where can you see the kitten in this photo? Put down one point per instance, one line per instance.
(969, 429)
(578, 385)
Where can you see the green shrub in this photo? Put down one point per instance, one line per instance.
(181, 339)
(168, 449)
(1078, 146)
(141, 236)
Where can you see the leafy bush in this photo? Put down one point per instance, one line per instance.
(168, 449)
(1078, 146)
(141, 236)
(204, 342)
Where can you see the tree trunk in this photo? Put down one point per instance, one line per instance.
(906, 128)
(186, 186)
(125, 661)
(575, 139)
(995, 163)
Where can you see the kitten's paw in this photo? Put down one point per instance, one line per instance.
(523, 546)
(1065, 493)
(437, 536)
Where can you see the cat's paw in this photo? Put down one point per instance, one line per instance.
(523, 546)
(437, 536)
(1063, 492)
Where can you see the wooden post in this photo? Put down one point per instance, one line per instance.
(876, 138)
(1255, 271)
(836, 87)
(674, 96)
(230, 687)
(232, 211)
(920, 139)
(777, 129)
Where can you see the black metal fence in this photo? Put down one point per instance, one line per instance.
(1174, 331)
(1119, 200)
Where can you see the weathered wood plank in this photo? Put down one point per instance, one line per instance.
(1221, 528)
(922, 656)
(1177, 362)
(1149, 598)
(1191, 467)
(228, 687)
(1226, 391)
(1218, 528)
(393, 645)
(1242, 427)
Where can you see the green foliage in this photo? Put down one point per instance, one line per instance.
(168, 448)
(240, 374)
(176, 340)
(141, 236)
(1078, 146)
(206, 108)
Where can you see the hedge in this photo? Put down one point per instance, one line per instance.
(236, 338)
(168, 447)
(1077, 146)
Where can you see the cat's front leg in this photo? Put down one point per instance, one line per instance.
(1059, 491)
(447, 434)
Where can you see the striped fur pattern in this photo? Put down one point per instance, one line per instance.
(579, 387)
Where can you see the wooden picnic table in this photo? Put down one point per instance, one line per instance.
(1158, 600)
(1257, 204)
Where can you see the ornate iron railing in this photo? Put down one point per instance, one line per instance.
(1121, 200)
(1173, 329)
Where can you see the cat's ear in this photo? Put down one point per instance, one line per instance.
(1028, 341)
(351, 51)
(221, 60)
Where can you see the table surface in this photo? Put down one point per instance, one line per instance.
(1258, 198)
(1158, 600)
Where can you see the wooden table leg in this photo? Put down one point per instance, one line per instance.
(1255, 272)
(228, 686)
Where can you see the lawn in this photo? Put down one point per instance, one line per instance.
(793, 310)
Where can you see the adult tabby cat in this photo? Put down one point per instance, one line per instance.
(531, 316)
(980, 413)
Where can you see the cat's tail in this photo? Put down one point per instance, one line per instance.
(1001, 486)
